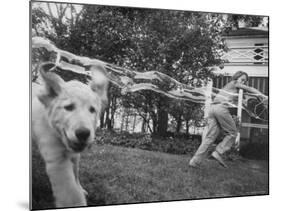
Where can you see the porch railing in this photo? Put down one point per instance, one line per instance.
(247, 54)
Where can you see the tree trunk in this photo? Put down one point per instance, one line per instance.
(102, 120)
(122, 121)
(179, 123)
(143, 127)
(112, 119)
(113, 110)
(187, 128)
(162, 121)
(127, 122)
(134, 123)
(154, 123)
(148, 127)
(108, 120)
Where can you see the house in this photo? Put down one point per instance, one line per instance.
(247, 51)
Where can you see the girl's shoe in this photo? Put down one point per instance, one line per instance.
(217, 157)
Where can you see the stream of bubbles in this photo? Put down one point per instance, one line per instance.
(132, 81)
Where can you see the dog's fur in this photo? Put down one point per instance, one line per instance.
(64, 120)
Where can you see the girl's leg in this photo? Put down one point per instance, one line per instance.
(228, 126)
(209, 136)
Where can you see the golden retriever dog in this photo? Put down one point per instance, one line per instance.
(64, 120)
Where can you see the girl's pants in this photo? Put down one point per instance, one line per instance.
(219, 119)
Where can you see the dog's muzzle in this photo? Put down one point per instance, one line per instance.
(82, 142)
(82, 134)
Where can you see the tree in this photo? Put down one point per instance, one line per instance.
(50, 20)
(179, 44)
(234, 20)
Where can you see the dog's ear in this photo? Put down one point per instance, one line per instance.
(52, 82)
(99, 83)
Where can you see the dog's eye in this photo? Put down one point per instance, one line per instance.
(92, 109)
(69, 107)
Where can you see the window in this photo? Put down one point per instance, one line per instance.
(259, 54)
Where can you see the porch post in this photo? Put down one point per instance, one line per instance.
(239, 116)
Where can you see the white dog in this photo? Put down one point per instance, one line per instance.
(64, 120)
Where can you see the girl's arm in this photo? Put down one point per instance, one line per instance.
(250, 89)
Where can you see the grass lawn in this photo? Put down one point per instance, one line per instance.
(118, 175)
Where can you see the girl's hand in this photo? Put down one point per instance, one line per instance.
(263, 97)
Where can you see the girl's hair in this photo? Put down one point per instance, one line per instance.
(238, 74)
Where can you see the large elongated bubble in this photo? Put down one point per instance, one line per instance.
(132, 81)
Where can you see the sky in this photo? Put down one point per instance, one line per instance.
(78, 8)
(53, 8)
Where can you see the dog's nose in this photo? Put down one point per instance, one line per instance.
(82, 134)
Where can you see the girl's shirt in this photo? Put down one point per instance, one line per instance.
(228, 94)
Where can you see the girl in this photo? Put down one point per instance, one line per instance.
(220, 119)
